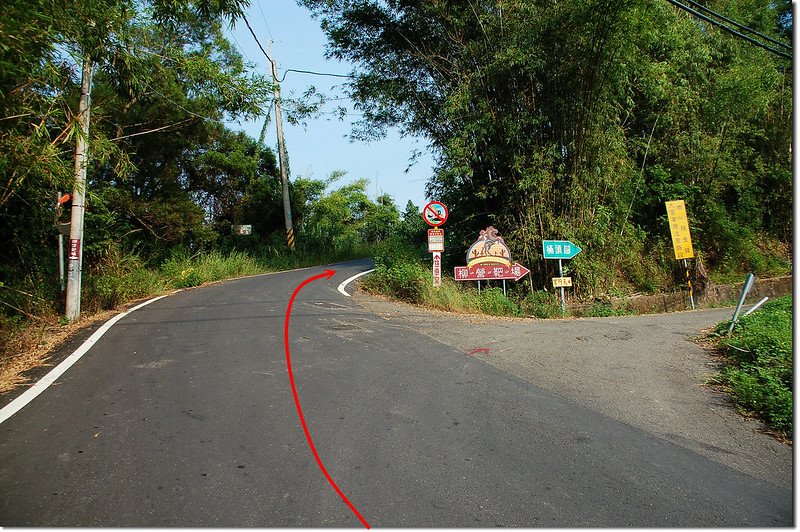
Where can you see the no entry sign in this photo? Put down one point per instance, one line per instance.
(435, 213)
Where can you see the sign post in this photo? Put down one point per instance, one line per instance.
(681, 237)
(560, 249)
(489, 258)
(435, 214)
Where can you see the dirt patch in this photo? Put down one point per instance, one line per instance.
(33, 347)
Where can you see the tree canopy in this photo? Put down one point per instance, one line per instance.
(549, 120)
(579, 119)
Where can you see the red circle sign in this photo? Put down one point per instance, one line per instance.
(435, 213)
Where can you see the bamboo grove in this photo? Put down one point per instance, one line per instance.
(577, 120)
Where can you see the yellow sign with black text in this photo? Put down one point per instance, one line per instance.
(679, 227)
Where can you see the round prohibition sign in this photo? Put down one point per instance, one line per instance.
(435, 213)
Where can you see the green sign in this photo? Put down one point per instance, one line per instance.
(559, 249)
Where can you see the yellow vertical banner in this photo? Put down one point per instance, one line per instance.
(679, 227)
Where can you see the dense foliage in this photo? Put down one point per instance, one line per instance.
(572, 120)
(579, 119)
(759, 372)
(166, 178)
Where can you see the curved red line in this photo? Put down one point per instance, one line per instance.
(328, 274)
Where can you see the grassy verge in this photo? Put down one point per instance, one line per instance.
(758, 369)
(400, 273)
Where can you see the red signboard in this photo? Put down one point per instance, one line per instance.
(488, 273)
(488, 259)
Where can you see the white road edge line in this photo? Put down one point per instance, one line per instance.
(31, 393)
(351, 279)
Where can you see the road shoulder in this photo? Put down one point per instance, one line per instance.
(646, 371)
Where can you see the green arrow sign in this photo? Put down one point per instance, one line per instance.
(559, 249)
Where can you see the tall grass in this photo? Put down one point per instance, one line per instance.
(759, 363)
(400, 273)
(118, 278)
(184, 271)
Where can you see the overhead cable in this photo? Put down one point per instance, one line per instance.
(253, 33)
(728, 29)
(738, 25)
(346, 76)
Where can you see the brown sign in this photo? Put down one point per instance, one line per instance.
(489, 258)
(561, 282)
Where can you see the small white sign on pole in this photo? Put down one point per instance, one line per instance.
(435, 240)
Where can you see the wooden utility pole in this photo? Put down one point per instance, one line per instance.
(75, 256)
(287, 205)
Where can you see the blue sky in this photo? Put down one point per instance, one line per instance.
(323, 146)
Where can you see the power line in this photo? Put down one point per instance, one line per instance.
(241, 49)
(258, 3)
(728, 29)
(738, 25)
(346, 76)
(253, 33)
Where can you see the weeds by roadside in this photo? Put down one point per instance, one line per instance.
(399, 273)
(758, 363)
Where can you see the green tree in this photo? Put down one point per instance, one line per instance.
(579, 119)
(164, 80)
(380, 219)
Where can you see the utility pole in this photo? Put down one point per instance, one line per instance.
(287, 206)
(75, 257)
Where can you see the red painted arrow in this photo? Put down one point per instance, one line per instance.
(328, 274)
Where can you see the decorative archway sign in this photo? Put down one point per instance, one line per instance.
(488, 259)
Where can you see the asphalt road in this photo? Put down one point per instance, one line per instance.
(182, 415)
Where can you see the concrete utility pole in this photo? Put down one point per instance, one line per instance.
(75, 257)
(287, 206)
